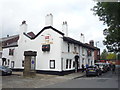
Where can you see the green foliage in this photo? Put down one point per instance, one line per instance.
(109, 12)
(104, 55)
(111, 56)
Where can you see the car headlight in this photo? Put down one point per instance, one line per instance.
(4, 70)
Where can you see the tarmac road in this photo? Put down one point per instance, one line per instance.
(107, 80)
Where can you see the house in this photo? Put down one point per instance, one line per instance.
(56, 52)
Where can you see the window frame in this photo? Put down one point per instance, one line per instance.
(52, 66)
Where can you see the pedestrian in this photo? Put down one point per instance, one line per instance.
(83, 68)
(113, 68)
(87, 65)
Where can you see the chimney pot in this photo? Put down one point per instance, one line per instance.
(24, 22)
(7, 35)
(91, 42)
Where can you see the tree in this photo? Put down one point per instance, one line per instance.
(111, 56)
(109, 12)
(104, 54)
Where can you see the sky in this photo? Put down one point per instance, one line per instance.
(77, 13)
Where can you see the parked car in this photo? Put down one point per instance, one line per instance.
(4, 70)
(93, 70)
(102, 66)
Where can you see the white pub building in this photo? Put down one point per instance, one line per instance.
(55, 50)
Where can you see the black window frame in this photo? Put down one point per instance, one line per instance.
(52, 67)
(70, 63)
(67, 63)
(11, 52)
(68, 47)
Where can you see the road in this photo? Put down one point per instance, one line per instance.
(107, 80)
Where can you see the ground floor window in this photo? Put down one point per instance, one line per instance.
(68, 63)
(0, 54)
(73, 64)
(8, 62)
(12, 64)
(82, 60)
(91, 63)
(4, 62)
(52, 64)
(23, 63)
(88, 61)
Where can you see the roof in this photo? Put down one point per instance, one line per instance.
(91, 46)
(45, 28)
(12, 40)
(70, 40)
(7, 38)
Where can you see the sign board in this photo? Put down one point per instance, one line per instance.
(32, 63)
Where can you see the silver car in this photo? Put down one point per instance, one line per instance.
(4, 70)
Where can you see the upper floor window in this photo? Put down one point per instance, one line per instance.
(83, 51)
(75, 48)
(98, 53)
(89, 52)
(11, 52)
(68, 47)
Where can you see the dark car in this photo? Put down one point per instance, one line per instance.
(93, 70)
(4, 70)
(102, 66)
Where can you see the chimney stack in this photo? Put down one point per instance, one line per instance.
(49, 20)
(91, 42)
(65, 28)
(82, 38)
(23, 27)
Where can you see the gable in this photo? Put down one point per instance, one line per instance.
(45, 28)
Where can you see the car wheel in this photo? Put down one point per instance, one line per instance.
(98, 74)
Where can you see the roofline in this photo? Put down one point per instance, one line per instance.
(10, 46)
(77, 42)
(48, 27)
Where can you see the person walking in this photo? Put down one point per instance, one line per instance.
(83, 68)
(87, 65)
(113, 68)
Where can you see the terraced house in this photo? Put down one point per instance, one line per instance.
(56, 52)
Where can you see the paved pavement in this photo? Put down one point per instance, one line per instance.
(41, 80)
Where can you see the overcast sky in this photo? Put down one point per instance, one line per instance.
(77, 13)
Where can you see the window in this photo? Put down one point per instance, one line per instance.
(0, 54)
(8, 62)
(70, 61)
(12, 64)
(73, 63)
(68, 47)
(83, 60)
(46, 47)
(67, 64)
(98, 53)
(89, 52)
(88, 61)
(75, 49)
(23, 63)
(52, 64)
(83, 51)
(11, 52)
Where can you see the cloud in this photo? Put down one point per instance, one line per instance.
(76, 12)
